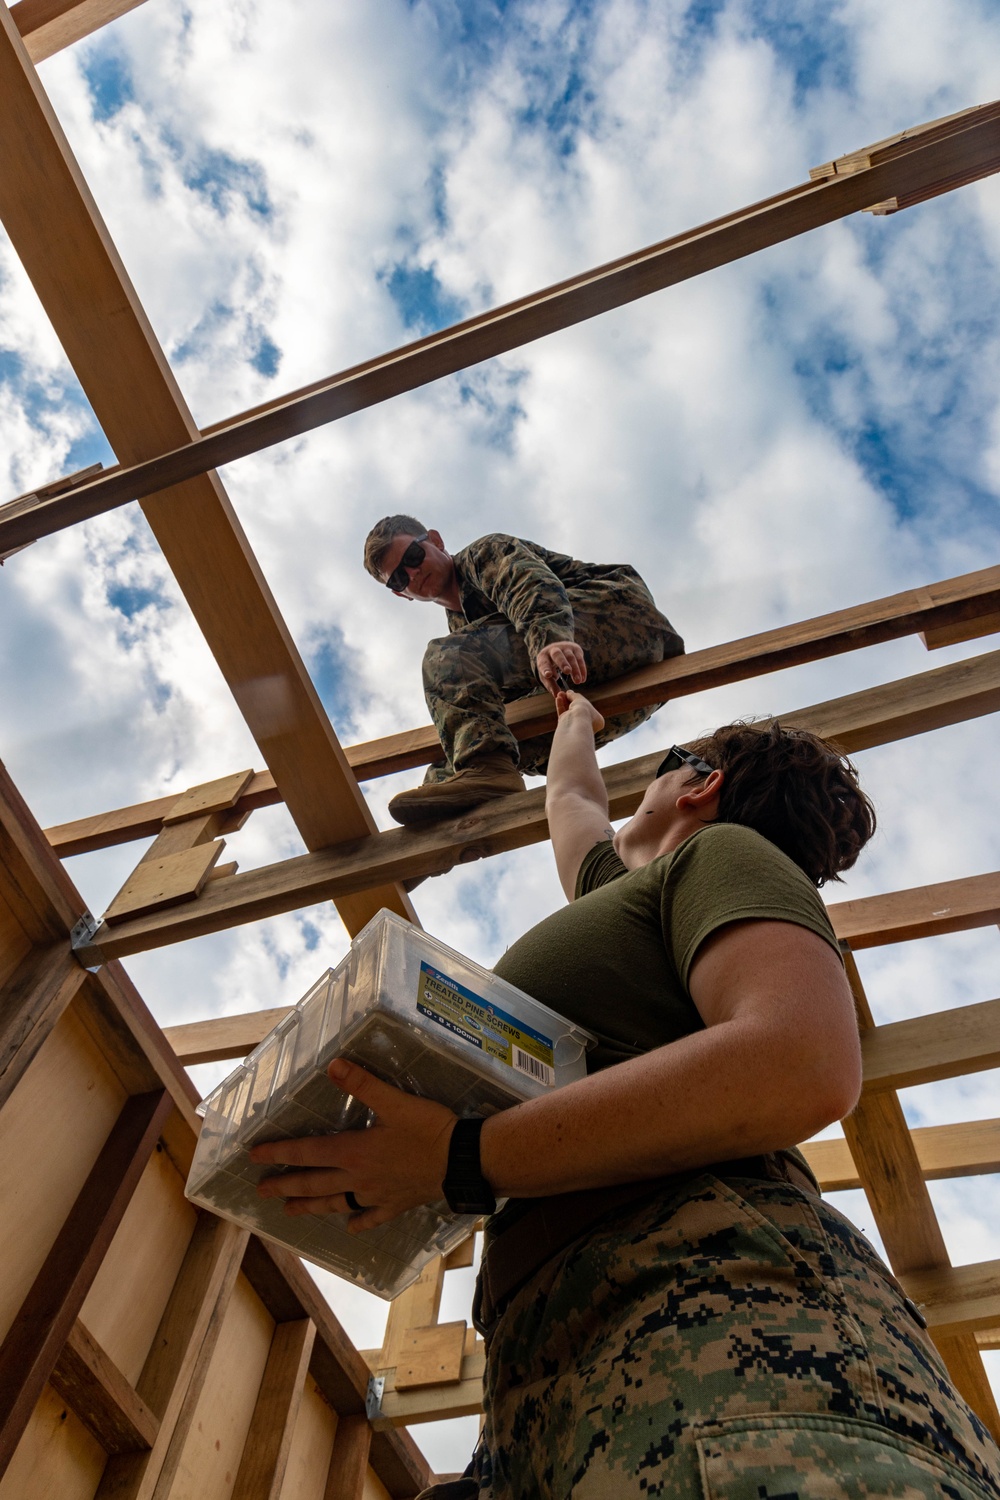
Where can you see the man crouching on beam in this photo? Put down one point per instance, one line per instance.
(518, 615)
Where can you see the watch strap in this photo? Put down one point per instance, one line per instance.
(465, 1188)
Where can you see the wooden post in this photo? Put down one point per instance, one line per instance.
(265, 1453)
(349, 1461)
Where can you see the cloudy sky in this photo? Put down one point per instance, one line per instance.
(294, 188)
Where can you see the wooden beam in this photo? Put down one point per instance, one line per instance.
(968, 145)
(944, 604)
(967, 1149)
(923, 911)
(102, 1398)
(265, 1452)
(886, 1158)
(948, 1044)
(512, 822)
(957, 1300)
(38, 891)
(223, 1036)
(30, 1350)
(47, 26)
(31, 1002)
(57, 231)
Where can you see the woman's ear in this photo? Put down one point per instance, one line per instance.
(703, 796)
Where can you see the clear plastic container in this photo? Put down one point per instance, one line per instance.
(417, 1015)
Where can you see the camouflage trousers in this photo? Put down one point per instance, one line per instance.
(738, 1341)
(471, 674)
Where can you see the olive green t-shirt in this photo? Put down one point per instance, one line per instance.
(616, 960)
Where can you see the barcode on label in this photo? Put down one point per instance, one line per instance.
(533, 1066)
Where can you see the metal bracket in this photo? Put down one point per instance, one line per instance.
(373, 1400)
(81, 938)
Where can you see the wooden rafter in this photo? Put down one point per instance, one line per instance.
(917, 163)
(57, 231)
(859, 720)
(47, 26)
(955, 604)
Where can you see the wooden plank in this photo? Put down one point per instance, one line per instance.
(827, 635)
(223, 1036)
(416, 1307)
(922, 911)
(100, 1395)
(967, 1149)
(175, 1369)
(32, 1346)
(512, 822)
(923, 1049)
(265, 1454)
(957, 1299)
(47, 26)
(158, 883)
(349, 1461)
(57, 231)
(31, 1003)
(430, 1356)
(886, 1158)
(909, 706)
(210, 797)
(463, 1398)
(970, 145)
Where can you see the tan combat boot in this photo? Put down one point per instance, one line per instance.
(484, 779)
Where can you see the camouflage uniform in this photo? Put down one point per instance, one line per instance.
(732, 1340)
(516, 598)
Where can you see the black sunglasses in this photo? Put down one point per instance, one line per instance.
(675, 758)
(399, 579)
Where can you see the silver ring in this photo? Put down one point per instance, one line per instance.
(353, 1204)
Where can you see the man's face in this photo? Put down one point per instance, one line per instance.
(431, 579)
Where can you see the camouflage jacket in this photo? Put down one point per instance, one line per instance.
(532, 586)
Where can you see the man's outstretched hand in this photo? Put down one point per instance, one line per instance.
(397, 1163)
(560, 656)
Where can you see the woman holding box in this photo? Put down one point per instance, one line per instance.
(670, 1308)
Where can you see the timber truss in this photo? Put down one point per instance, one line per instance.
(67, 1006)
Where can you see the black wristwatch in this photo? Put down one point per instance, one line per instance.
(465, 1187)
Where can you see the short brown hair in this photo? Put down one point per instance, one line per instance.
(796, 789)
(381, 535)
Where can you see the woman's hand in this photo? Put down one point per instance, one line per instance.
(576, 703)
(398, 1163)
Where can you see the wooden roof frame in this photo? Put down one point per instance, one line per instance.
(166, 462)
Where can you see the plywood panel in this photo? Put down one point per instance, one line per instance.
(56, 1459)
(57, 1118)
(312, 1446)
(211, 1457)
(14, 943)
(126, 1301)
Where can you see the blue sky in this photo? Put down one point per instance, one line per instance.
(294, 190)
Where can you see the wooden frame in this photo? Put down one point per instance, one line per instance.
(123, 1397)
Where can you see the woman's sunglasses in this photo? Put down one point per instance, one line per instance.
(399, 579)
(676, 758)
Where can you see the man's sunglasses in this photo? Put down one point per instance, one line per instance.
(676, 758)
(399, 579)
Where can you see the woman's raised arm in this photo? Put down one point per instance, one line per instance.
(576, 803)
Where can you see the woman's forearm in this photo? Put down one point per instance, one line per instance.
(572, 769)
